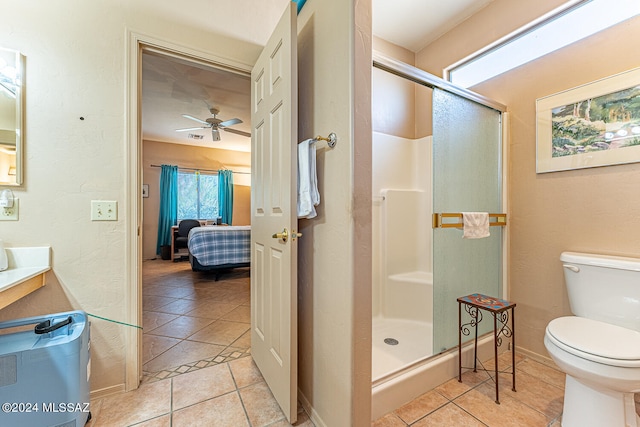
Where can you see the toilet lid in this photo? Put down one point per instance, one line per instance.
(596, 338)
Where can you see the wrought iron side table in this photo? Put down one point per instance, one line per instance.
(473, 304)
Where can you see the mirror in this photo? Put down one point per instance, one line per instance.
(12, 65)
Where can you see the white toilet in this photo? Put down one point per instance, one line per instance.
(599, 347)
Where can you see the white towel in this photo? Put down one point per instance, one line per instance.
(308, 195)
(475, 225)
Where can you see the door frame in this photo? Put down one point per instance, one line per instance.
(137, 43)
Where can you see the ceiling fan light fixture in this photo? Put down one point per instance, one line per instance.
(215, 124)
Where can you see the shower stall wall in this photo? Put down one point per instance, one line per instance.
(402, 252)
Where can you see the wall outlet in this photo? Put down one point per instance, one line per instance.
(104, 210)
(10, 214)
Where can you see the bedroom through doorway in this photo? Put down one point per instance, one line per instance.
(194, 115)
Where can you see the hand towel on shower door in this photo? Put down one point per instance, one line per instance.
(475, 225)
(308, 195)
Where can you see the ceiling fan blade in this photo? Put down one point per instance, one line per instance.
(186, 116)
(230, 122)
(190, 129)
(238, 132)
(215, 134)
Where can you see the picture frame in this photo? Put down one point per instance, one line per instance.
(593, 125)
(145, 190)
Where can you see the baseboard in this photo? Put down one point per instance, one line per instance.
(545, 360)
(315, 417)
(107, 391)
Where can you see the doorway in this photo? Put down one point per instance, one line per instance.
(175, 277)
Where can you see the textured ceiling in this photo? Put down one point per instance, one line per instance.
(414, 24)
(171, 88)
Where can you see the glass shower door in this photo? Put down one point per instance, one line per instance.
(467, 177)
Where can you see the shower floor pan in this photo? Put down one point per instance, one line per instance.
(414, 342)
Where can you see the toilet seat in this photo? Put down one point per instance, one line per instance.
(596, 341)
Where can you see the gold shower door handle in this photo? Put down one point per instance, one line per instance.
(285, 235)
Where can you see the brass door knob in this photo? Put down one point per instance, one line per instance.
(284, 235)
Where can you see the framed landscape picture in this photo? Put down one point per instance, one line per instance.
(597, 124)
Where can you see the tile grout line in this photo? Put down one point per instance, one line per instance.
(239, 395)
(470, 414)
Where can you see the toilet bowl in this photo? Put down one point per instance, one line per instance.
(597, 348)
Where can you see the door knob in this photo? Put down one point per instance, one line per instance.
(284, 235)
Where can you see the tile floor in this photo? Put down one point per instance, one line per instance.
(198, 370)
(196, 353)
(191, 321)
(536, 403)
(229, 394)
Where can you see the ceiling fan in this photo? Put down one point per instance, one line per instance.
(215, 124)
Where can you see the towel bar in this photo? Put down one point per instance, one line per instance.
(500, 220)
(331, 140)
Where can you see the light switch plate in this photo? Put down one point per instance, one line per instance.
(104, 210)
(10, 214)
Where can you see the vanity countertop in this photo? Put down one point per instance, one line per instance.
(15, 276)
(25, 273)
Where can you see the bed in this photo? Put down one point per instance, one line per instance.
(219, 248)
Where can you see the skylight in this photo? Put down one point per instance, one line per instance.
(554, 31)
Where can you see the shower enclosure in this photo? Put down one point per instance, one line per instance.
(452, 163)
(403, 315)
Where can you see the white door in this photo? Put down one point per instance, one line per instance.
(274, 111)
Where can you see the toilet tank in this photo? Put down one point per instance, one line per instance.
(603, 287)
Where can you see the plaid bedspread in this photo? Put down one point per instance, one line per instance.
(218, 245)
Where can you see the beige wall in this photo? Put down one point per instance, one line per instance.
(393, 106)
(76, 59)
(334, 269)
(590, 210)
(399, 107)
(188, 156)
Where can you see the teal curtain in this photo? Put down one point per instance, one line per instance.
(300, 3)
(225, 196)
(168, 215)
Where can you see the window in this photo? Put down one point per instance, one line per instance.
(197, 195)
(552, 32)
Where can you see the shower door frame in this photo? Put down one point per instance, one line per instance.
(419, 76)
(424, 78)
